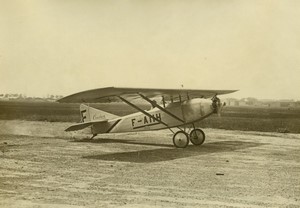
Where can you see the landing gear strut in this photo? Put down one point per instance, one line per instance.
(93, 136)
(181, 139)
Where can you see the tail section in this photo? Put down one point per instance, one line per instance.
(89, 114)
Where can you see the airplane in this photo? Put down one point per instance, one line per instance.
(180, 108)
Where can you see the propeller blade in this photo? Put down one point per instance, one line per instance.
(220, 108)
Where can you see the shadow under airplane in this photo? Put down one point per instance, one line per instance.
(166, 154)
(122, 141)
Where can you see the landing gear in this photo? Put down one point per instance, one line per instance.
(181, 139)
(197, 137)
(93, 136)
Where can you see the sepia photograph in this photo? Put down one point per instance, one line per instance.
(139, 103)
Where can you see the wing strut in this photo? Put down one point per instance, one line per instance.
(144, 112)
(160, 108)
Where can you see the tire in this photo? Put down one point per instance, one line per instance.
(197, 137)
(181, 139)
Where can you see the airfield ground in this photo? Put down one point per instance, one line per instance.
(42, 166)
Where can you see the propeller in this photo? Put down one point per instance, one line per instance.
(219, 111)
(217, 105)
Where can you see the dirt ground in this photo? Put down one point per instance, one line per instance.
(43, 166)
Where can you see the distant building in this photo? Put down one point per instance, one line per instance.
(243, 103)
(13, 96)
(232, 102)
(282, 104)
(274, 105)
(23, 97)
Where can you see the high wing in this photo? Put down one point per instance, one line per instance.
(110, 94)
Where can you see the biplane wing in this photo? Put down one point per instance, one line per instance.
(110, 94)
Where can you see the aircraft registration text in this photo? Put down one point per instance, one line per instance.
(145, 121)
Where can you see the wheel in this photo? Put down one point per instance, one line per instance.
(181, 139)
(197, 137)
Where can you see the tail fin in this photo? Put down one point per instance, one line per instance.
(89, 114)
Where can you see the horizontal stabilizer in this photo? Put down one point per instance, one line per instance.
(80, 126)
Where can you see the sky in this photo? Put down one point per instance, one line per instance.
(65, 46)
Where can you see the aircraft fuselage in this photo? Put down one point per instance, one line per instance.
(180, 113)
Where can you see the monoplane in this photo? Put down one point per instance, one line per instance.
(179, 109)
